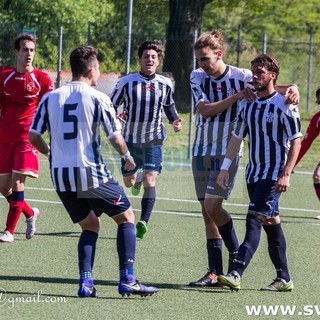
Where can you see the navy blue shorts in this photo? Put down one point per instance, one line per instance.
(205, 172)
(108, 198)
(263, 198)
(148, 158)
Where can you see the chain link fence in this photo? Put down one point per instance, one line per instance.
(299, 61)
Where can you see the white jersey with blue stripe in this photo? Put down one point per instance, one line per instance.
(270, 125)
(213, 134)
(143, 100)
(73, 115)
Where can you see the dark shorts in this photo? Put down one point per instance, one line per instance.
(108, 198)
(205, 172)
(148, 158)
(263, 198)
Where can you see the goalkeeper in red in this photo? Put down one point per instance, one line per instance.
(21, 89)
(312, 133)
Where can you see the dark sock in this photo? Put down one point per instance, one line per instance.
(126, 247)
(229, 236)
(214, 249)
(86, 253)
(250, 243)
(277, 250)
(317, 189)
(147, 203)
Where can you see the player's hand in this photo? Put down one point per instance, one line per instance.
(223, 179)
(177, 125)
(292, 94)
(282, 184)
(249, 95)
(130, 164)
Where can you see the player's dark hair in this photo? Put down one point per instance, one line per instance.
(268, 62)
(24, 36)
(151, 45)
(318, 92)
(211, 39)
(81, 60)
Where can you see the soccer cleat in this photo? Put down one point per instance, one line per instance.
(141, 229)
(87, 290)
(7, 237)
(31, 223)
(136, 188)
(279, 284)
(135, 288)
(231, 280)
(208, 280)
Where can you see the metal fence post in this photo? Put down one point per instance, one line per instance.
(59, 58)
(309, 69)
(129, 27)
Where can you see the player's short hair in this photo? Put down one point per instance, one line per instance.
(82, 59)
(211, 39)
(155, 45)
(268, 62)
(318, 92)
(24, 36)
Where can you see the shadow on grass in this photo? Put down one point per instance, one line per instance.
(67, 234)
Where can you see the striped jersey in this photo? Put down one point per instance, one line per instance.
(213, 134)
(73, 115)
(270, 125)
(20, 94)
(143, 99)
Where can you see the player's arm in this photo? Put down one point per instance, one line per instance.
(291, 92)
(232, 151)
(39, 143)
(173, 117)
(119, 144)
(208, 109)
(311, 134)
(282, 183)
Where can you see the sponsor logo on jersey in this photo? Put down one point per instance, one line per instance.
(270, 117)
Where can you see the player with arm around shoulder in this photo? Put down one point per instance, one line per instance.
(73, 114)
(269, 125)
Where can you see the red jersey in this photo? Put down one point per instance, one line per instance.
(313, 131)
(20, 94)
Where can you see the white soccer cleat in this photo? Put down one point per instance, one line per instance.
(31, 223)
(6, 237)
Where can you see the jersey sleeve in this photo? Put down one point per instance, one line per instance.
(312, 133)
(39, 123)
(46, 85)
(197, 92)
(118, 94)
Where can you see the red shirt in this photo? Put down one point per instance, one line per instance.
(20, 94)
(313, 131)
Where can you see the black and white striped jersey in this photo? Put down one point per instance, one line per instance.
(270, 125)
(143, 101)
(73, 115)
(213, 134)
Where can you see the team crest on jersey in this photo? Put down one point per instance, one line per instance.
(231, 92)
(270, 117)
(30, 86)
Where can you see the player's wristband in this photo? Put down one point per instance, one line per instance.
(226, 164)
(126, 156)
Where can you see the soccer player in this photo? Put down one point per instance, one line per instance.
(273, 131)
(73, 115)
(312, 133)
(144, 96)
(217, 88)
(21, 89)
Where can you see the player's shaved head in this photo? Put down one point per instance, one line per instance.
(82, 59)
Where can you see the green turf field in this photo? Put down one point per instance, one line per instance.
(39, 277)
